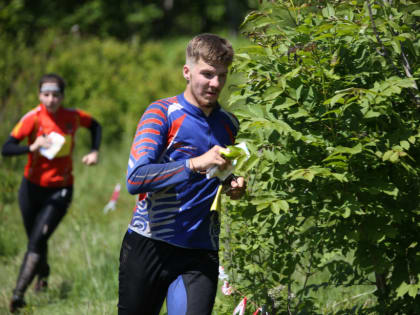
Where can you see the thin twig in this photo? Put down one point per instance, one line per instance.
(405, 62)
(307, 275)
(385, 54)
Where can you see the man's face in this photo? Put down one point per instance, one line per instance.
(51, 100)
(205, 82)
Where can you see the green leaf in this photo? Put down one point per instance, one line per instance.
(263, 206)
(354, 150)
(416, 13)
(284, 205)
(308, 175)
(272, 93)
(336, 157)
(338, 98)
(298, 92)
(243, 55)
(275, 207)
(387, 155)
(292, 74)
(340, 177)
(328, 11)
(412, 290)
(394, 157)
(412, 245)
(412, 139)
(249, 163)
(288, 102)
(256, 110)
(346, 213)
(393, 192)
(402, 289)
(372, 114)
(331, 75)
(405, 144)
(232, 152)
(300, 113)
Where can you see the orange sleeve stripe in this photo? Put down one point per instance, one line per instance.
(144, 147)
(150, 121)
(155, 111)
(134, 153)
(161, 105)
(148, 140)
(147, 130)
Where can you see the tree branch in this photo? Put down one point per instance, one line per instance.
(385, 54)
(307, 275)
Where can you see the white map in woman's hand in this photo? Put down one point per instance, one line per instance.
(57, 142)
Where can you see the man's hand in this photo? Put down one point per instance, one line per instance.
(91, 158)
(237, 188)
(211, 158)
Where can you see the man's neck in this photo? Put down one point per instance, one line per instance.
(207, 110)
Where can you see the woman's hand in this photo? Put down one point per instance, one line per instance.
(40, 142)
(91, 158)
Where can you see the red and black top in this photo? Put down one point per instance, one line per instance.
(39, 170)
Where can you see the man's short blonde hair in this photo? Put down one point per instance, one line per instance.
(211, 48)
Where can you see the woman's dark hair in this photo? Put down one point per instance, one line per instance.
(52, 77)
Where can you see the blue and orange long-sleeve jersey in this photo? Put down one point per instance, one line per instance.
(174, 202)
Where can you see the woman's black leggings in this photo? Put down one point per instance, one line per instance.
(42, 210)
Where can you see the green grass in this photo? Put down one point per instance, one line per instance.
(83, 251)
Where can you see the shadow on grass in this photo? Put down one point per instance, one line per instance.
(64, 289)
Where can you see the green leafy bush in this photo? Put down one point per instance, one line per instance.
(330, 102)
(112, 80)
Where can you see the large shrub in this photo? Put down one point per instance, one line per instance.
(331, 105)
(112, 80)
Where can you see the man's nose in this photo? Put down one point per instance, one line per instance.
(215, 81)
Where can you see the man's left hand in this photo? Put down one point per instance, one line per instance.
(237, 188)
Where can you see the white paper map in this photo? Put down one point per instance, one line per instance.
(57, 142)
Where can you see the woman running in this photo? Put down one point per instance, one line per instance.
(47, 185)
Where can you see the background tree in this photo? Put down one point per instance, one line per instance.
(124, 20)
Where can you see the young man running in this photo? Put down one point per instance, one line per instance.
(171, 245)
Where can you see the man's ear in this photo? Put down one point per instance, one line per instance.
(186, 72)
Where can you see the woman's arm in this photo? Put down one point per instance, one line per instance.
(12, 147)
(96, 135)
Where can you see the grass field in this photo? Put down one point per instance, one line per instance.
(84, 250)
